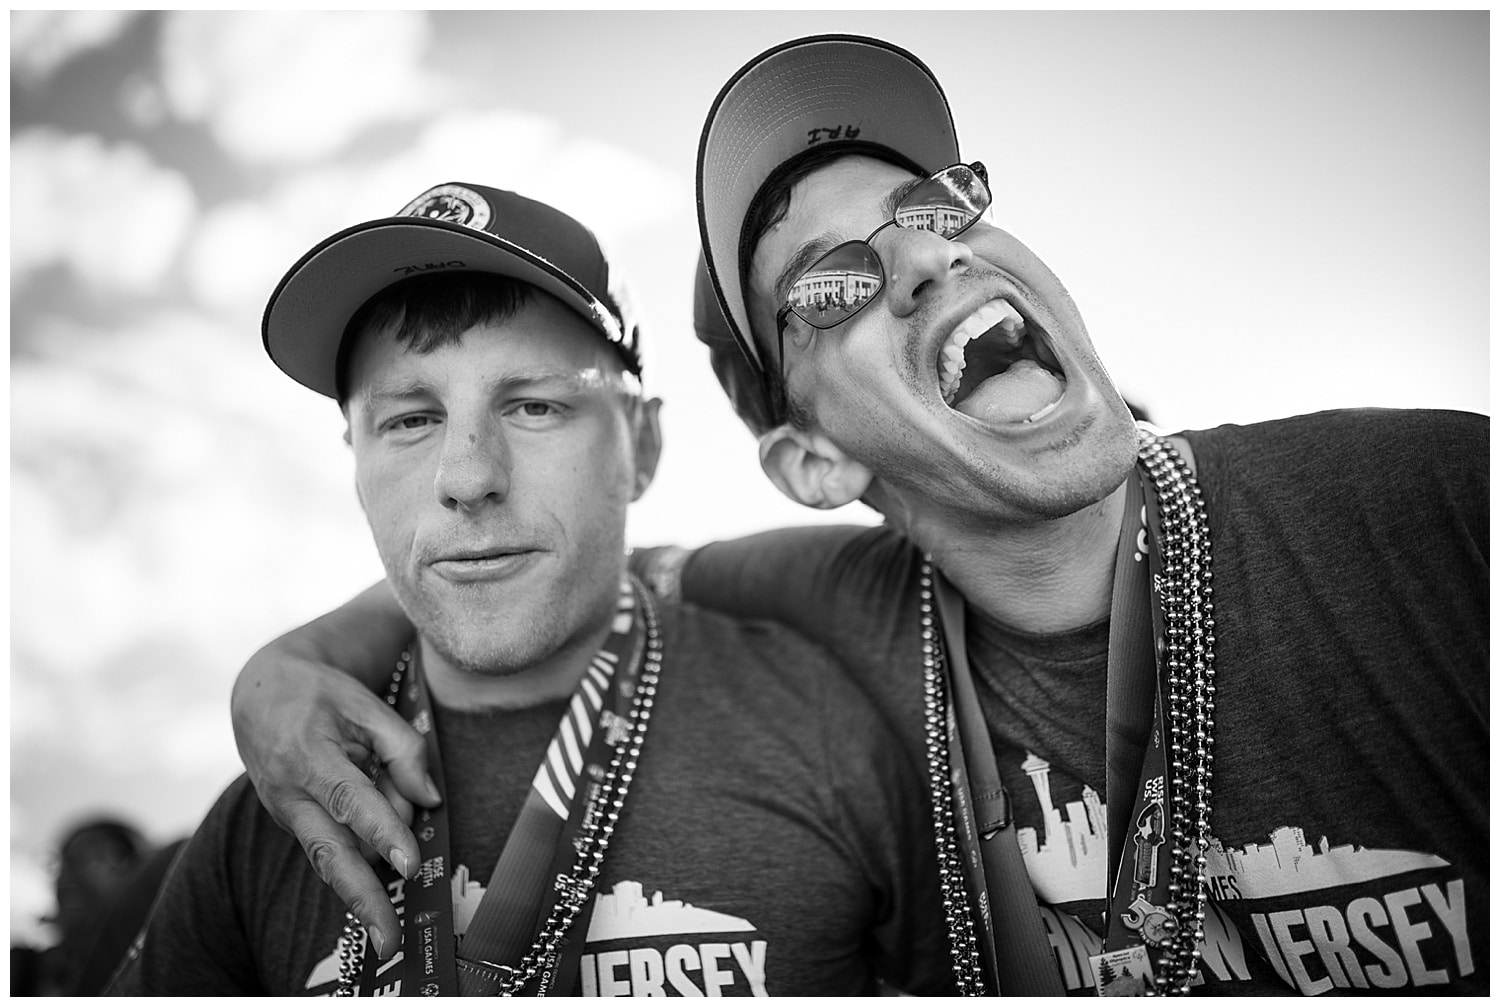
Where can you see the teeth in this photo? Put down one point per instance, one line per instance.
(951, 361)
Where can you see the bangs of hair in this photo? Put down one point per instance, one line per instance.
(426, 313)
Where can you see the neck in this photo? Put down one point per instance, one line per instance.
(1046, 577)
(553, 678)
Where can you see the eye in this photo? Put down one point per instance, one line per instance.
(537, 414)
(408, 423)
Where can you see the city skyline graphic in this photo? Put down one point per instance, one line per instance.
(1068, 860)
(626, 912)
(1289, 864)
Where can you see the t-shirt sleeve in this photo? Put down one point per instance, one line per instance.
(193, 941)
(818, 579)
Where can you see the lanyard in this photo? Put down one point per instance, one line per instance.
(1014, 953)
(1008, 919)
(539, 849)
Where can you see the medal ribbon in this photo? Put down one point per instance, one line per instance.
(538, 852)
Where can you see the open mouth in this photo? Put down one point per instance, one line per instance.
(997, 367)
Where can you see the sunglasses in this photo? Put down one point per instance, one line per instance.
(840, 283)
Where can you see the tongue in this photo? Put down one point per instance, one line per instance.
(1025, 388)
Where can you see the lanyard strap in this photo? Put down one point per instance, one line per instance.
(1013, 944)
(1137, 635)
(1131, 697)
(996, 872)
(539, 850)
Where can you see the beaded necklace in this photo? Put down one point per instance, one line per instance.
(1186, 598)
(590, 844)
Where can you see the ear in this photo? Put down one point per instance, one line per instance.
(810, 468)
(647, 445)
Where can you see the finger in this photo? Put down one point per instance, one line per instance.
(334, 854)
(400, 805)
(404, 753)
(404, 808)
(349, 799)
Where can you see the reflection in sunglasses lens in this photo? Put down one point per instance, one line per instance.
(837, 285)
(944, 205)
(850, 276)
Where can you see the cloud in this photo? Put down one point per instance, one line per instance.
(242, 248)
(42, 41)
(171, 461)
(107, 212)
(289, 87)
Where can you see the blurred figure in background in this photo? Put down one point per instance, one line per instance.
(107, 876)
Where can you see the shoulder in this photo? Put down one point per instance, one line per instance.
(820, 567)
(703, 637)
(758, 669)
(1383, 453)
(1354, 433)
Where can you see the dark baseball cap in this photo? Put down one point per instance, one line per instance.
(859, 93)
(455, 227)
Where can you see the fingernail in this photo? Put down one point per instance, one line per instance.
(377, 938)
(399, 861)
(432, 790)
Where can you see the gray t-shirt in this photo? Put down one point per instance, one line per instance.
(773, 841)
(1350, 818)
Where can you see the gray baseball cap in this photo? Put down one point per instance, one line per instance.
(852, 91)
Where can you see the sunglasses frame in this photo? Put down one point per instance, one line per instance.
(979, 170)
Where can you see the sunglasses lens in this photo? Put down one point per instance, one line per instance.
(837, 285)
(946, 203)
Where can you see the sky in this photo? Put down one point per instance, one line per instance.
(1259, 215)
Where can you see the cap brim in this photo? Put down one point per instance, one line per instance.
(826, 89)
(307, 315)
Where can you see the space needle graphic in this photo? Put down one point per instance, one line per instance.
(1068, 863)
(1038, 769)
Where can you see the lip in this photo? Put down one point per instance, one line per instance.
(473, 566)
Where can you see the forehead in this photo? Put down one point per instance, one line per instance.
(852, 188)
(841, 201)
(542, 336)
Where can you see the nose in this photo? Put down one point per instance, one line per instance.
(917, 262)
(474, 469)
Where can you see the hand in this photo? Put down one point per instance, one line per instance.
(305, 731)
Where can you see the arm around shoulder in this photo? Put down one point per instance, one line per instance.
(306, 730)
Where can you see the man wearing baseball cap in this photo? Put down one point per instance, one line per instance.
(1232, 684)
(634, 798)
(1210, 709)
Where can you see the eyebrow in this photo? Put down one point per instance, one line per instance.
(813, 249)
(380, 393)
(807, 253)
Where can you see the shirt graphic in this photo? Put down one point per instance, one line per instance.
(635, 945)
(1346, 917)
(1069, 857)
(640, 946)
(1325, 917)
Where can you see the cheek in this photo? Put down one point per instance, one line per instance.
(587, 490)
(869, 367)
(391, 502)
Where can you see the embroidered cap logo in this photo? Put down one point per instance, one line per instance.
(455, 203)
